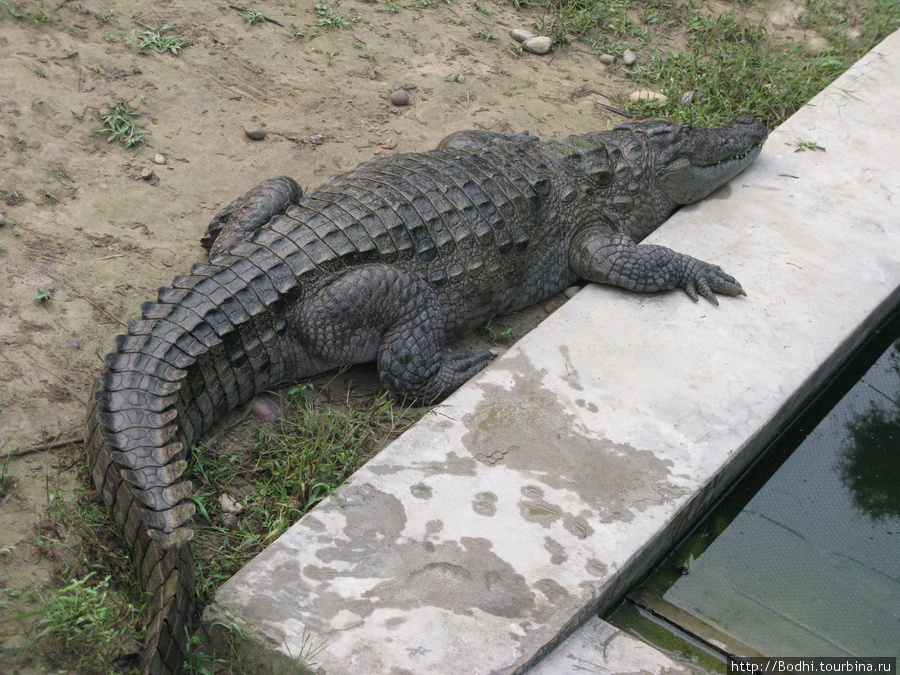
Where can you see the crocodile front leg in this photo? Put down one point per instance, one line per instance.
(384, 313)
(607, 257)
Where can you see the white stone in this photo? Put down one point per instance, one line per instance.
(538, 45)
(400, 97)
(520, 34)
(650, 96)
(254, 131)
(629, 57)
(229, 504)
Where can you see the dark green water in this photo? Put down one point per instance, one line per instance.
(802, 562)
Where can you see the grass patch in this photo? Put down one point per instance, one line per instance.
(730, 62)
(606, 26)
(736, 69)
(293, 465)
(91, 612)
(80, 622)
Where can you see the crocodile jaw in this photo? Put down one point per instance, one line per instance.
(685, 183)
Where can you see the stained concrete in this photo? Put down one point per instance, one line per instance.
(539, 491)
(600, 649)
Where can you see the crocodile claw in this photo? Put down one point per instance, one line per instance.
(708, 280)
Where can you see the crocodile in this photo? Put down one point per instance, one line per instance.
(389, 262)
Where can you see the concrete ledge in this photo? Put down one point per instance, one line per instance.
(531, 498)
(598, 647)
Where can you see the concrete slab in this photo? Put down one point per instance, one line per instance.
(538, 492)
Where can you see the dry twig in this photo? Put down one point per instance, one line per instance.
(264, 17)
(41, 447)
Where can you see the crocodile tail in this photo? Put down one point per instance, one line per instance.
(166, 575)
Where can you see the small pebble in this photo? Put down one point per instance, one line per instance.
(317, 139)
(159, 159)
(649, 96)
(147, 173)
(607, 59)
(520, 35)
(628, 57)
(228, 519)
(229, 504)
(538, 45)
(72, 343)
(2, 220)
(686, 98)
(400, 97)
(254, 131)
(571, 291)
(265, 408)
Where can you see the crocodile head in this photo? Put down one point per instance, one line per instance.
(688, 163)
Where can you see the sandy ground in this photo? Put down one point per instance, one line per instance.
(82, 228)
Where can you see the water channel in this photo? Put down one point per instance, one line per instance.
(802, 558)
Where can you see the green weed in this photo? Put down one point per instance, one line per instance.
(120, 124)
(253, 17)
(43, 296)
(803, 146)
(103, 17)
(330, 19)
(498, 334)
(157, 39)
(12, 8)
(41, 16)
(13, 198)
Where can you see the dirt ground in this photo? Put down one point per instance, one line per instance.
(86, 238)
